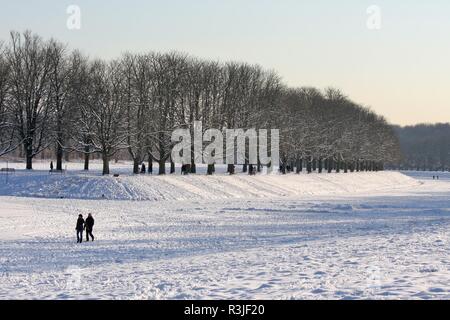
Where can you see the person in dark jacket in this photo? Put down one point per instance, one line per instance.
(80, 228)
(89, 227)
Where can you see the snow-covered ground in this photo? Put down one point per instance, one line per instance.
(342, 236)
(77, 184)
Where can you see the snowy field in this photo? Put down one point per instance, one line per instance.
(331, 236)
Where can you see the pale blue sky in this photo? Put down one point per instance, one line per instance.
(402, 71)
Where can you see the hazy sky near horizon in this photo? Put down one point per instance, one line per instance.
(401, 71)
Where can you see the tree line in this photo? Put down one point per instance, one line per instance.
(424, 147)
(55, 98)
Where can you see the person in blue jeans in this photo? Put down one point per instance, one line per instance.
(80, 228)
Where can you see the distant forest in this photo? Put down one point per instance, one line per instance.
(425, 146)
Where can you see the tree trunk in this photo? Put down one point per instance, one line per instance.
(59, 156)
(135, 166)
(105, 164)
(192, 168)
(29, 162)
(29, 156)
(150, 164)
(86, 158)
(210, 170)
(320, 163)
(298, 166)
(172, 167)
(162, 167)
(308, 166)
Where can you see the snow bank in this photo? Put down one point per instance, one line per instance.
(199, 187)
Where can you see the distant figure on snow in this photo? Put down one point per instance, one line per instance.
(89, 225)
(80, 228)
(143, 168)
(51, 165)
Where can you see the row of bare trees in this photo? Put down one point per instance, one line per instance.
(326, 130)
(51, 97)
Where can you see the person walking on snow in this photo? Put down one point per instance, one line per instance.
(89, 225)
(80, 228)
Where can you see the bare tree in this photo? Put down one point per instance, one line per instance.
(29, 60)
(61, 110)
(8, 141)
(137, 77)
(105, 107)
(168, 69)
(81, 123)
